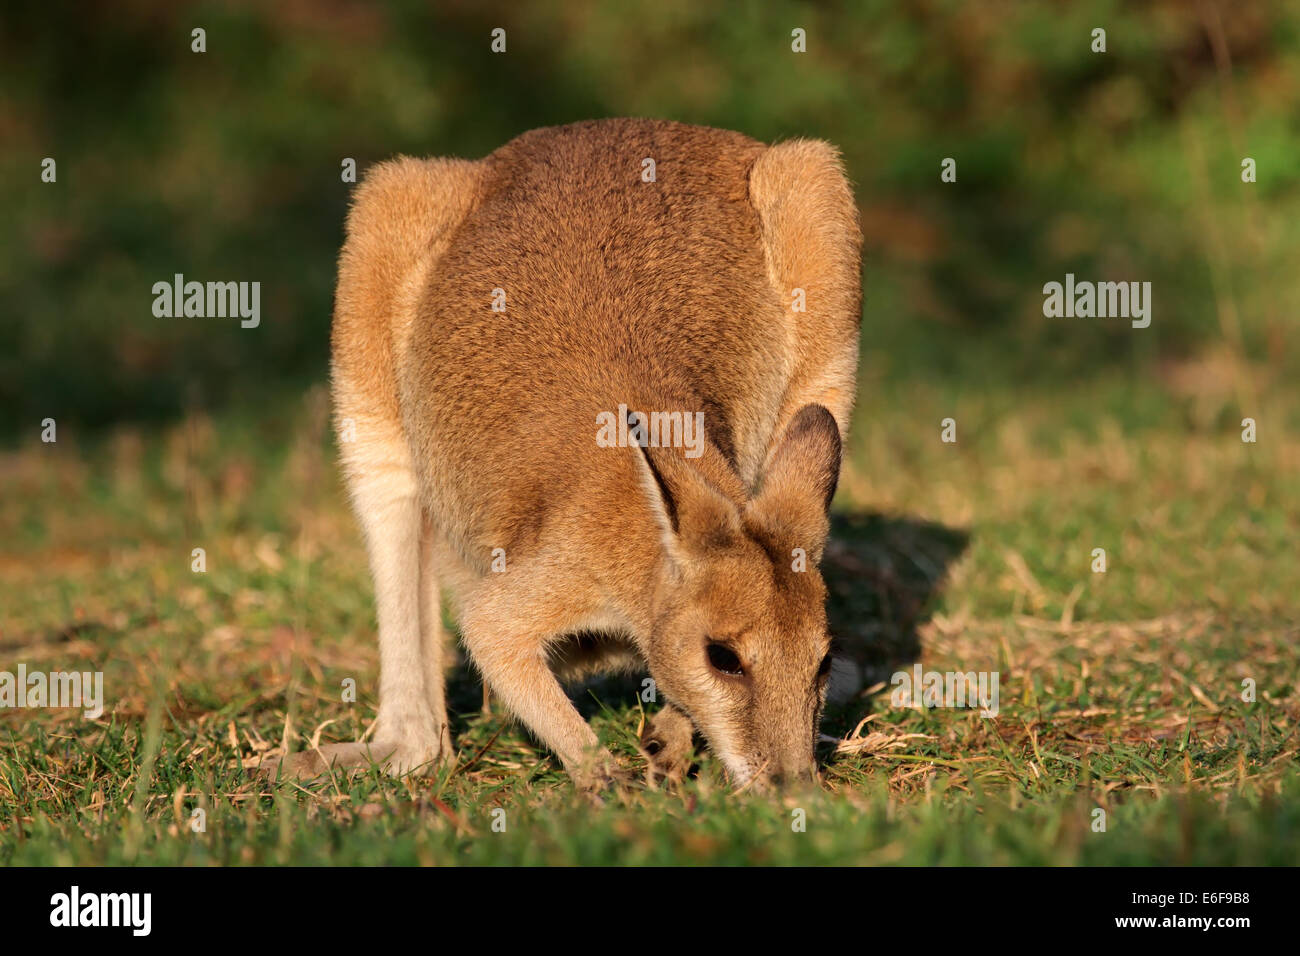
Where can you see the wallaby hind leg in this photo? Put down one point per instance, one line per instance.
(411, 729)
(433, 639)
(400, 224)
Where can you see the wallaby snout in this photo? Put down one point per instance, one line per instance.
(740, 642)
(495, 322)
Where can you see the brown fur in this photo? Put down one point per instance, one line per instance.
(480, 427)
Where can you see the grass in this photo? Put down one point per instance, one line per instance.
(1120, 691)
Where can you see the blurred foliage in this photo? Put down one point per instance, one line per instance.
(225, 165)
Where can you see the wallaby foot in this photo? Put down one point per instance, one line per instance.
(666, 742)
(307, 764)
(419, 755)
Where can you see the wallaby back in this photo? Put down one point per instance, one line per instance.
(655, 295)
(400, 223)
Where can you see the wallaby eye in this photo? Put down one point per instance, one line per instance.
(824, 667)
(724, 659)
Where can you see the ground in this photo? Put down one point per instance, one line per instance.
(1162, 691)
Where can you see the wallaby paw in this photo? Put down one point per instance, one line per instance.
(664, 767)
(602, 779)
(666, 745)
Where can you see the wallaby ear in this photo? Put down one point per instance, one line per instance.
(692, 514)
(798, 482)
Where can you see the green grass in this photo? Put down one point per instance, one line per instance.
(1120, 691)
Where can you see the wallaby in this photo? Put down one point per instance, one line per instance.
(493, 319)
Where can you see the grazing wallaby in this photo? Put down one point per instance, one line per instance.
(495, 322)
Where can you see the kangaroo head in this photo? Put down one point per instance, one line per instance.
(739, 640)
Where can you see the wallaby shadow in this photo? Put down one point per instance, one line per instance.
(881, 573)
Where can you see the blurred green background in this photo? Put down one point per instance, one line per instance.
(226, 165)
